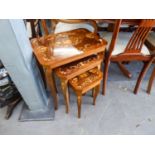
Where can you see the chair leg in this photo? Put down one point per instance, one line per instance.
(79, 102)
(96, 91)
(142, 74)
(105, 77)
(124, 70)
(64, 87)
(151, 81)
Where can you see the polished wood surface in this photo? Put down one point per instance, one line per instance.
(81, 39)
(85, 82)
(88, 43)
(71, 70)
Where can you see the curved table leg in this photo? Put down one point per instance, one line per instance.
(79, 102)
(64, 86)
(96, 91)
(51, 83)
(105, 76)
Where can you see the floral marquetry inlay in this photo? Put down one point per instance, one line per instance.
(84, 80)
(75, 42)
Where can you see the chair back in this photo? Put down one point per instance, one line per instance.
(137, 39)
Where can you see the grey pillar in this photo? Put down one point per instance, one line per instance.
(16, 55)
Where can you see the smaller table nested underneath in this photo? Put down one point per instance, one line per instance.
(69, 71)
(85, 82)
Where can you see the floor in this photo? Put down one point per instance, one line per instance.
(119, 112)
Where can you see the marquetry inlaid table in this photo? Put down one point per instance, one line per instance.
(55, 50)
(85, 82)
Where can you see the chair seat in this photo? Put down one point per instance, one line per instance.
(63, 27)
(121, 43)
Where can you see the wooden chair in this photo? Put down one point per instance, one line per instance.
(150, 43)
(85, 82)
(132, 49)
(80, 38)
